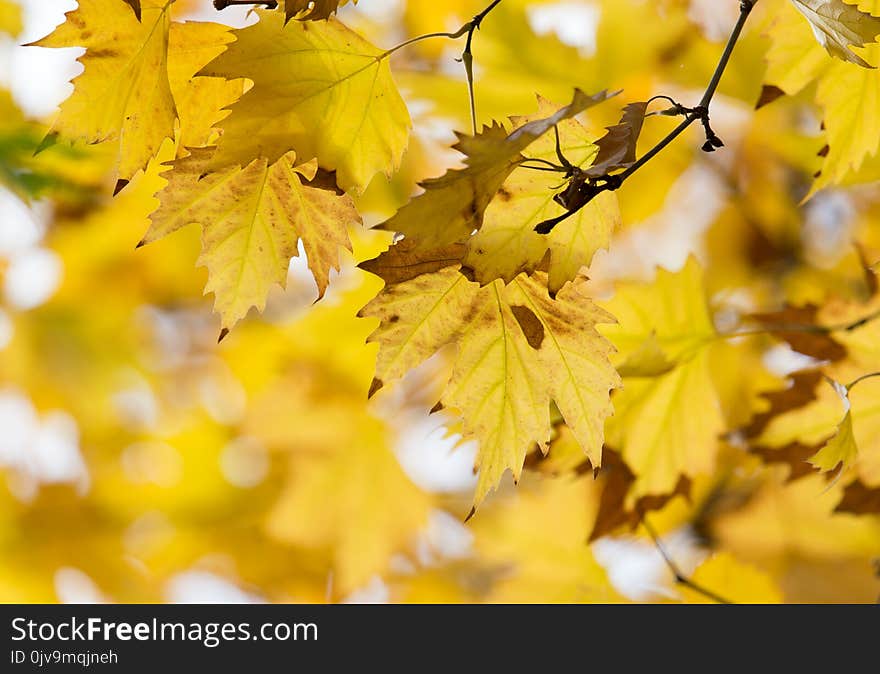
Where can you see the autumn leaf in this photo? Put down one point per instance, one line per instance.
(654, 427)
(453, 206)
(124, 93)
(838, 26)
(518, 349)
(347, 113)
(252, 219)
(507, 243)
(617, 148)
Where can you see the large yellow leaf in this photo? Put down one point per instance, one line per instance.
(251, 221)
(124, 93)
(507, 243)
(518, 350)
(656, 427)
(319, 89)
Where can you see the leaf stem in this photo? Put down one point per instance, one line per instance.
(680, 578)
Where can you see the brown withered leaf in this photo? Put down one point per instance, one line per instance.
(797, 327)
(617, 148)
(859, 499)
(613, 513)
(405, 261)
(795, 455)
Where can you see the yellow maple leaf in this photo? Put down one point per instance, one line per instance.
(839, 26)
(347, 112)
(251, 221)
(663, 336)
(124, 93)
(507, 242)
(518, 349)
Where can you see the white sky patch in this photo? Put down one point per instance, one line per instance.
(827, 230)
(574, 23)
(39, 449)
(39, 78)
(445, 537)
(782, 360)
(638, 571)
(203, 587)
(21, 228)
(7, 329)
(374, 592)
(76, 587)
(32, 278)
(431, 458)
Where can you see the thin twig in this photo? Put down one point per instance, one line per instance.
(858, 380)
(680, 578)
(700, 113)
(745, 9)
(223, 4)
(800, 327)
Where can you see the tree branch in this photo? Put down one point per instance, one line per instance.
(701, 113)
(680, 578)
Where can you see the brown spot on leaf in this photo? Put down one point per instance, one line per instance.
(531, 325)
(103, 53)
